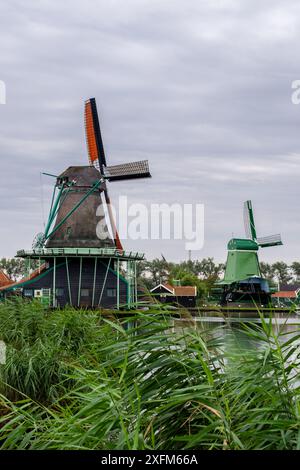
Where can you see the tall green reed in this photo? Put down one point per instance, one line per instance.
(143, 383)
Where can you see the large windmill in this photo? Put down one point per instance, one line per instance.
(82, 262)
(243, 282)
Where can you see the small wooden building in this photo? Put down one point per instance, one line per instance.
(288, 294)
(182, 295)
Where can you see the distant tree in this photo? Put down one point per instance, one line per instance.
(178, 272)
(188, 279)
(158, 270)
(144, 279)
(188, 266)
(13, 267)
(207, 268)
(295, 267)
(140, 268)
(282, 273)
(267, 271)
(16, 268)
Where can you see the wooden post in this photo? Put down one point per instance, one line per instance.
(104, 282)
(94, 283)
(129, 283)
(69, 285)
(79, 285)
(54, 283)
(118, 284)
(135, 284)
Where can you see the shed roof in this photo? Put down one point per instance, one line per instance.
(185, 291)
(178, 291)
(285, 294)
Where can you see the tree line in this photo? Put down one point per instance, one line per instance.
(202, 273)
(281, 272)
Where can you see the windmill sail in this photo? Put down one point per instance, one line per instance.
(127, 171)
(97, 158)
(271, 240)
(263, 242)
(96, 155)
(93, 135)
(249, 221)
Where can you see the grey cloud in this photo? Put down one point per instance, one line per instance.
(202, 89)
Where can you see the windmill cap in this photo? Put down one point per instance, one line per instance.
(83, 175)
(242, 244)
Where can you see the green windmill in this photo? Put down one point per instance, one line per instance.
(243, 282)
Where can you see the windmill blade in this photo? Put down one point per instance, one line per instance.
(271, 240)
(97, 155)
(93, 135)
(127, 171)
(249, 221)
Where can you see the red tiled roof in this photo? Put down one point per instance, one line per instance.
(285, 294)
(168, 286)
(182, 291)
(185, 291)
(178, 291)
(4, 279)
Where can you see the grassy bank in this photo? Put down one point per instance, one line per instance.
(76, 380)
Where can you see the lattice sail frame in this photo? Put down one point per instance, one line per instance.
(134, 170)
(250, 230)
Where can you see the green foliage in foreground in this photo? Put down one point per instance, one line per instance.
(76, 380)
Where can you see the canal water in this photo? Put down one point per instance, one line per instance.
(233, 331)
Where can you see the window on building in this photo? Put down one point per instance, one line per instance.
(28, 292)
(111, 292)
(84, 292)
(60, 292)
(69, 232)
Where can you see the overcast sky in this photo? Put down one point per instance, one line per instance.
(200, 88)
